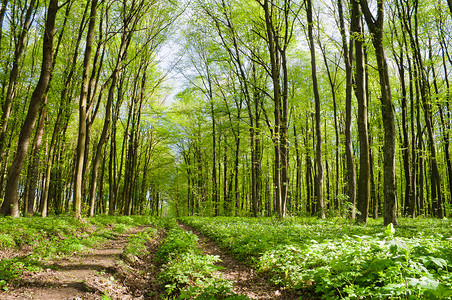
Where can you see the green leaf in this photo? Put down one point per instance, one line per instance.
(390, 230)
(441, 263)
(429, 283)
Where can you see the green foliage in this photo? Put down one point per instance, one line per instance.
(105, 296)
(359, 266)
(341, 260)
(11, 269)
(121, 228)
(191, 273)
(186, 272)
(176, 243)
(6, 241)
(137, 242)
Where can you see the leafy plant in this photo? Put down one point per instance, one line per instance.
(137, 242)
(189, 270)
(337, 259)
(176, 243)
(186, 272)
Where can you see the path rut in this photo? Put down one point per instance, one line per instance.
(245, 279)
(89, 276)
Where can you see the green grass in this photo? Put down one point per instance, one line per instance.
(338, 259)
(46, 238)
(137, 243)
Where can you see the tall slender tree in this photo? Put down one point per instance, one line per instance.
(81, 140)
(11, 202)
(318, 132)
(347, 52)
(361, 96)
(375, 26)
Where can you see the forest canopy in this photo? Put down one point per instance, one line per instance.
(226, 108)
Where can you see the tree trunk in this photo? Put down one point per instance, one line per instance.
(297, 197)
(33, 170)
(351, 177)
(414, 197)
(2, 16)
(446, 128)
(215, 200)
(361, 96)
(11, 203)
(81, 141)
(105, 128)
(387, 112)
(19, 45)
(318, 132)
(275, 77)
(406, 144)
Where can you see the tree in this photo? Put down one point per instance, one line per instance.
(375, 26)
(11, 203)
(279, 32)
(361, 96)
(347, 52)
(318, 133)
(81, 141)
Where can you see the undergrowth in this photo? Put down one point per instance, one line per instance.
(340, 260)
(137, 242)
(189, 274)
(28, 243)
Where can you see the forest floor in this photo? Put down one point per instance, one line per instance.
(245, 279)
(100, 273)
(105, 272)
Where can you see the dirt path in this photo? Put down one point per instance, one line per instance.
(106, 271)
(92, 275)
(244, 278)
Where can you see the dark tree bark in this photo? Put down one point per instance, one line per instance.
(333, 86)
(361, 96)
(310, 205)
(33, 170)
(409, 201)
(250, 99)
(447, 128)
(375, 26)
(11, 203)
(279, 30)
(297, 196)
(414, 197)
(106, 127)
(35, 159)
(423, 83)
(373, 190)
(2, 16)
(215, 198)
(275, 76)
(19, 47)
